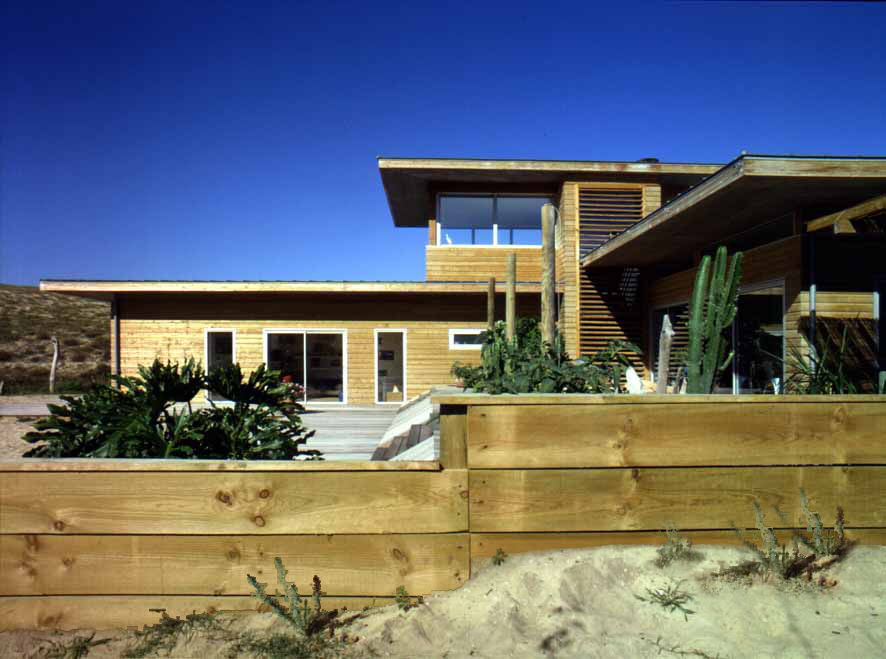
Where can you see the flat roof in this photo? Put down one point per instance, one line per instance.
(408, 182)
(748, 191)
(105, 289)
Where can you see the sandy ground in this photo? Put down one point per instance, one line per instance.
(583, 603)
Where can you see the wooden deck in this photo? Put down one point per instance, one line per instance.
(349, 432)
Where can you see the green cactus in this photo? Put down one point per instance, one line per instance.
(711, 312)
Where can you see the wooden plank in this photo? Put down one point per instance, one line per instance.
(218, 565)
(780, 432)
(453, 436)
(98, 612)
(484, 545)
(89, 465)
(560, 500)
(628, 400)
(234, 503)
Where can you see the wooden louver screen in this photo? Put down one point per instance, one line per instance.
(604, 213)
(609, 306)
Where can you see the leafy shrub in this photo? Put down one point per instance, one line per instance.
(527, 365)
(139, 420)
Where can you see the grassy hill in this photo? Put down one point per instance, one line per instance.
(29, 319)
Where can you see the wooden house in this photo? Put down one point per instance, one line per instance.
(629, 236)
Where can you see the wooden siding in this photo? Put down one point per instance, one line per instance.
(172, 327)
(450, 263)
(567, 266)
(609, 301)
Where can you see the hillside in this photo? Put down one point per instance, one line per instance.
(29, 319)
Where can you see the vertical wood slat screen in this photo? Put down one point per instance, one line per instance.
(609, 304)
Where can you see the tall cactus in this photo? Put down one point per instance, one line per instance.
(711, 312)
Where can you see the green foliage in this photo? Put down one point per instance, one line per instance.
(403, 600)
(527, 365)
(139, 419)
(676, 548)
(823, 542)
(829, 372)
(711, 311)
(295, 610)
(671, 598)
(77, 648)
(499, 557)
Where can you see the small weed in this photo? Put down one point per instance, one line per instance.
(676, 548)
(77, 648)
(500, 557)
(282, 646)
(404, 601)
(296, 611)
(670, 598)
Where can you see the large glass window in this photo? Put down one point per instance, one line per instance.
(490, 219)
(314, 360)
(756, 337)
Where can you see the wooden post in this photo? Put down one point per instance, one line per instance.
(511, 297)
(490, 305)
(548, 296)
(664, 355)
(54, 364)
(432, 232)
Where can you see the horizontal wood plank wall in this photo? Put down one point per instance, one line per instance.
(450, 263)
(74, 543)
(553, 472)
(172, 328)
(609, 302)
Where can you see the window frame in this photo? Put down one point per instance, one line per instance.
(495, 226)
(465, 346)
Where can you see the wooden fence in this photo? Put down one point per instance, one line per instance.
(95, 542)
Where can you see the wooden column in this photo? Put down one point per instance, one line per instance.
(490, 305)
(511, 297)
(432, 232)
(548, 295)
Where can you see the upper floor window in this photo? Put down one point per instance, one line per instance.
(490, 219)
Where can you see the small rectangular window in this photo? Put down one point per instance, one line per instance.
(466, 339)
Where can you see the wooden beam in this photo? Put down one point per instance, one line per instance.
(432, 232)
(842, 220)
(548, 277)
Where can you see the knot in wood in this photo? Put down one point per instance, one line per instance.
(233, 554)
(259, 520)
(398, 555)
(58, 525)
(67, 561)
(264, 494)
(224, 497)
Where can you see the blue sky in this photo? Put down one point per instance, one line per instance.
(188, 141)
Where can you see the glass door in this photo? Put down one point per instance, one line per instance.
(390, 360)
(315, 360)
(219, 345)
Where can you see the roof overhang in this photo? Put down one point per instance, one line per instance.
(106, 290)
(410, 182)
(745, 193)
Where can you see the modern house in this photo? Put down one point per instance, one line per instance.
(629, 236)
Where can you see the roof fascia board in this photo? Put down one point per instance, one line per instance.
(710, 186)
(577, 166)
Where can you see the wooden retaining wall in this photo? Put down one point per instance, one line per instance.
(551, 472)
(91, 542)
(98, 543)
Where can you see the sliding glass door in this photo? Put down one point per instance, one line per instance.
(390, 361)
(314, 359)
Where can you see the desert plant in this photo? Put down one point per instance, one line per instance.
(163, 636)
(823, 542)
(499, 557)
(711, 311)
(527, 365)
(669, 597)
(295, 610)
(139, 419)
(826, 370)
